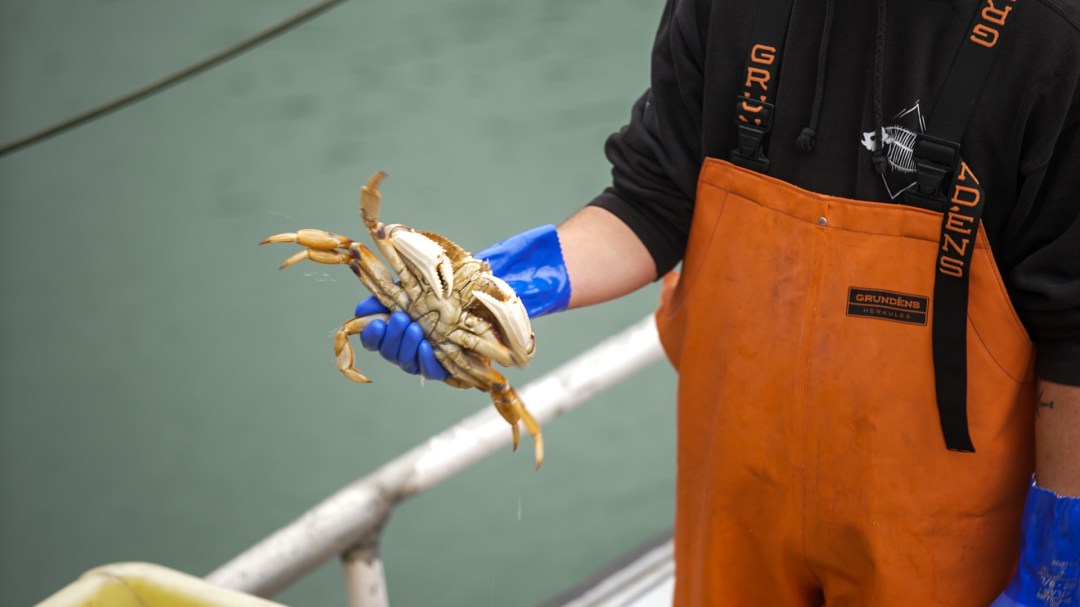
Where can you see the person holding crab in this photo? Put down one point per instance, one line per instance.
(877, 321)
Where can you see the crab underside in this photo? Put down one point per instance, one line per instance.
(469, 315)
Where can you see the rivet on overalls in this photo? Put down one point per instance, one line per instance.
(821, 221)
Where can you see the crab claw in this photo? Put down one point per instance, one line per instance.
(512, 318)
(426, 258)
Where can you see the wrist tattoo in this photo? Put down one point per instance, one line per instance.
(1043, 404)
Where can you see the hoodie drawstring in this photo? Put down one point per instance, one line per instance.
(807, 138)
(881, 163)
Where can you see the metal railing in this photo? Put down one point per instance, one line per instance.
(350, 522)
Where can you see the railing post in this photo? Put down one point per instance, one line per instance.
(365, 578)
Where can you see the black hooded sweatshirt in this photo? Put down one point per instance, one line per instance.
(1022, 143)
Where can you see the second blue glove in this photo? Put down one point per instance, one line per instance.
(1049, 571)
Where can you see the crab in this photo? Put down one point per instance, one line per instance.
(470, 316)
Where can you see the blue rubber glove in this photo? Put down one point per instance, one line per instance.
(1049, 572)
(400, 341)
(530, 262)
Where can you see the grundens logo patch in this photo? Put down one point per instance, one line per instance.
(887, 305)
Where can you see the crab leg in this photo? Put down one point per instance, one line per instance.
(315, 239)
(343, 351)
(485, 347)
(484, 377)
(320, 246)
(468, 372)
(463, 366)
(510, 415)
(503, 395)
(329, 248)
(374, 275)
(370, 203)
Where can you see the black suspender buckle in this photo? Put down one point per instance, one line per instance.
(936, 160)
(753, 119)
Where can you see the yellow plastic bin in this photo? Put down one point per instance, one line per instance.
(147, 585)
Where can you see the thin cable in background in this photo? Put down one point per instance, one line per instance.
(156, 87)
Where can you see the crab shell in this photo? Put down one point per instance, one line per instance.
(433, 263)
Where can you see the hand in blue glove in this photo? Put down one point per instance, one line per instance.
(530, 262)
(1049, 572)
(400, 341)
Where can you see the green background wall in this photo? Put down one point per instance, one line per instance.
(166, 395)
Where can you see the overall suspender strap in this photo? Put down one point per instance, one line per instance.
(946, 184)
(754, 109)
(937, 151)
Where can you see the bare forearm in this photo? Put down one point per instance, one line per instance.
(604, 257)
(1057, 438)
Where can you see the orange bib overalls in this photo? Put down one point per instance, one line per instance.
(855, 390)
(811, 467)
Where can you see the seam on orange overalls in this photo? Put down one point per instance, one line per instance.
(811, 464)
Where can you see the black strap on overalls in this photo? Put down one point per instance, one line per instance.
(755, 107)
(943, 182)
